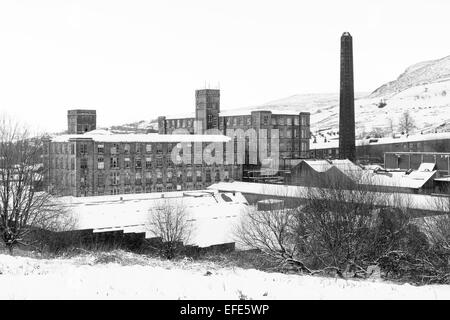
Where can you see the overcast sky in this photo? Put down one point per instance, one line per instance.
(135, 60)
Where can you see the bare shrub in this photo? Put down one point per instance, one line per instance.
(169, 221)
(272, 232)
(24, 206)
(344, 228)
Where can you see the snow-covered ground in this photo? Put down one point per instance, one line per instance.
(137, 277)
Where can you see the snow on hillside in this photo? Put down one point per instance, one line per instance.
(142, 126)
(132, 276)
(418, 74)
(423, 89)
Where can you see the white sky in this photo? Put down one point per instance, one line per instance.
(134, 60)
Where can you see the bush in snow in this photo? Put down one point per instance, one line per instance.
(169, 221)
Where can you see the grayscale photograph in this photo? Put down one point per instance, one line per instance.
(224, 155)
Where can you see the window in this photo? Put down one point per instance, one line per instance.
(72, 148)
(148, 177)
(303, 133)
(198, 174)
(249, 121)
(159, 176)
(115, 178)
(189, 176)
(72, 164)
(281, 121)
(159, 162)
(217, 175)
(126, 148)
(100, 179)
(148, 148)
(296, 121)
(100, 163)
(265, 120)
(274, 121)
(138, 148)
(100, 149)
(114, 162)
(289, 133)
(138, 178)
(114, 149)
(304, 146)
(83, 164)
(127, 178)
(83, 148)
(126, 163)
(138, 162)
(303, 120)
(148, 163)
(208, 175)
(179, 177)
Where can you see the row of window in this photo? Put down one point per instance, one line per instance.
(138, 178)
(148, 189)
(244, 120)
(180, 123)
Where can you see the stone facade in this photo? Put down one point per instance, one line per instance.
(80, 166)
(294, 129)
(81, 121)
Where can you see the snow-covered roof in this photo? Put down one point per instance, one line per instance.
(148, 137)
(427, 166)
(213, 215)
(190, 115)
(343, 165)
(412, 138)
(243, 112)
(414, 180)
(414, 201)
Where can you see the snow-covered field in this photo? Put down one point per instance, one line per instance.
(132, 276)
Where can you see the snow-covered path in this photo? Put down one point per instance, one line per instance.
(81, 278)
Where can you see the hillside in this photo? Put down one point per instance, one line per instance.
(423, 89)
(121, 275)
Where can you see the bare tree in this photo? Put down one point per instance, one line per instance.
(24, 207)
(341, 227)
(406, 122)
(273, 232)
(169, 221)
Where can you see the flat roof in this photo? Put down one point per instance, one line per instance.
(149, 137)
(414, 201)
(365, 142)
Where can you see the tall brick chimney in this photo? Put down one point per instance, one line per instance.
(347, 148)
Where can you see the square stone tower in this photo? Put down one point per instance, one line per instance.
(81, 121)
(207, 109)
